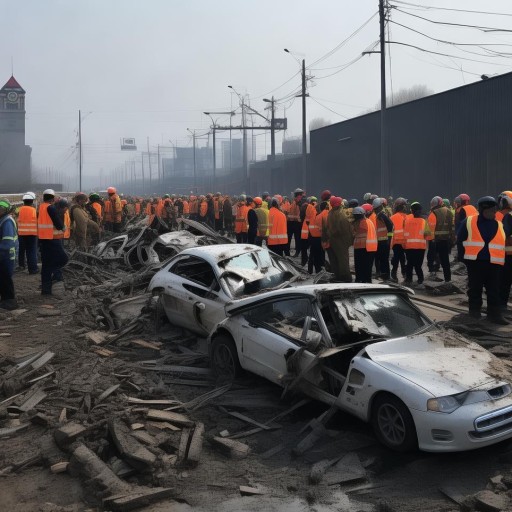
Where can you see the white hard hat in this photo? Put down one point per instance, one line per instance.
(31, 194)
(49, 192)
(27, 197)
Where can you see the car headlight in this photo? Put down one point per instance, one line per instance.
(446, 404)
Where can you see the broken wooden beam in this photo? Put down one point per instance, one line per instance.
(230, 447)
(172, 417)
(67, 434)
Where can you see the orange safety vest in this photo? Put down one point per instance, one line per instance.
(193, 206)
(67, 223)
(278, 232)
(262, 215)
(45, 228)
(97, 207)
(186, 207)
(320, 221)
(366, 236)
(398, 220)
(501, 214)
(285, 208)
(216, 208)
(294, 212)
(113, 209)
(27, 221)
(314, 229)
(149, 210)
(241, 225)
(373, 218)
(470, 210)
(415, 231)
(137, 208)
(475, 243)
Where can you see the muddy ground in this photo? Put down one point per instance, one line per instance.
(78, 376)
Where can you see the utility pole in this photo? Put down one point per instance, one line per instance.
(384, 169)
(244, 137)
(304, 130)
(79, 150)
(193, 132)
(272, 128)
(149, 163)
(158, 166)
(143, 179)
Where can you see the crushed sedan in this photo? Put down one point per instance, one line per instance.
(195, 285)
(368, 350)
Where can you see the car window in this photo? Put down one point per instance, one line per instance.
(285, 316)
(386, 314)
(196, 270)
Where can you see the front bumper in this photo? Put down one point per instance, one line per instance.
(468, 428)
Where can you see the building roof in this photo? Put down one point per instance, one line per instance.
(12, 83)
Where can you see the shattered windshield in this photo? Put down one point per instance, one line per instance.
(381, 314)
(252, 272)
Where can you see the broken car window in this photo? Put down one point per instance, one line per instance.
(286, 316)
(196, 270)
(381, 314)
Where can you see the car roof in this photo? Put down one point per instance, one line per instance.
(213, 254)
(312, 290)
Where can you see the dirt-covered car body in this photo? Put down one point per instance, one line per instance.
(195, 285)
(370, 351)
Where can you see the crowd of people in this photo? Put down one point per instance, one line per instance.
(386, 235)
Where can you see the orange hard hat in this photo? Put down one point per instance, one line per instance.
(258, 201)
(111, 190)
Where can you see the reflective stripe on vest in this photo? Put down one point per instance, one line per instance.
(475, 243)
(45, 225)
(27, 221)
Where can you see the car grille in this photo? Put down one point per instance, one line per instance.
(494, 423)
(499, 392)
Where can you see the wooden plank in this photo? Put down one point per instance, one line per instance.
(104, 352)
(250, 491)
(147, 344)
(44, 359)
(4, 432)
(107, 392)
(164, 425)
(172, 417)
(139, 498)
(195, 446)
(144, 437)
(96, 337)
(32, 400)
(59, 467)
(133, 400)
(184, 444)
(231, 448)
(137, 426)
(245, 418)
(41, 377)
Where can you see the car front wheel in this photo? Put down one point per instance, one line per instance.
(393, 423)
(225, 362)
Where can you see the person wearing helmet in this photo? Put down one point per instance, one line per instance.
(27, 234)
(339, 238)
(463, 210)
(316, 258)
(262, 221)
(398, 240)
(252, 221)
(440, 221)
(83, 226)
(266, 198)
(113, 211)
(483, 241)
(96, 204)
(416, 233)
(210, 211)
(307, 213)
(8, 248)
(227, 216)
(384, 228)
(366, 198)
(504, 204)
(277, 229)
(505, 216)
(365, 245)
(241, 226)
(50, 231)
(294, 221)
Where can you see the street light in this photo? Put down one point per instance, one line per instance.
(193, 132)
(244, 133)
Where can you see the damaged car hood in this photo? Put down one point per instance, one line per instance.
(441, 362)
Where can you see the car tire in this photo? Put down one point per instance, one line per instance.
(393, 423)
(224, 358)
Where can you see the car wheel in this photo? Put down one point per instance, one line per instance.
(225, 362)
(393, 423)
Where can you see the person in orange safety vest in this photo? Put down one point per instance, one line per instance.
(365, 245)
(416, 233)
(27, 234)
(277, 228)
(398, 240)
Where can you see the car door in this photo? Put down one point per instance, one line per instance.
(192, 297)
(272, 331)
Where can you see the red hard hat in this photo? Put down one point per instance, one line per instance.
(111, 190)
(367, 207)
(464, 197)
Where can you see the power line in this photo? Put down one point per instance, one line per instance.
(429, 7)
(329, 109)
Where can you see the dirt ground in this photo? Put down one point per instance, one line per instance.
(392, 482)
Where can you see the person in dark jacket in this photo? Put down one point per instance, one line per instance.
(8, 249)
(252, 221)
(483, 241)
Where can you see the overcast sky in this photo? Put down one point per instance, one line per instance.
(149, 68)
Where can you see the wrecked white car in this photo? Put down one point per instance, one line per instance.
(369, 351)
(195, 285)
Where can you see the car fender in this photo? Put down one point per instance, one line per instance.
(358, 398)
(225, 327)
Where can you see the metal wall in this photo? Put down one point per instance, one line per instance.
(453, 142)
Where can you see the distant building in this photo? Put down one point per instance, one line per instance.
(231, 154)
(292, 146)
(15, 156)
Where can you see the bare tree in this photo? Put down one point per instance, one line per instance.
(405, 94)
(318, 122)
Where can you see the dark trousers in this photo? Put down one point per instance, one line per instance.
(316, 254)
(28, 250)
(363, 263)
(53, 258)
(251, 236)
(483, 273)
(6, 282)
(414, 262)
(439, 253)
(218, 224)
(241, 238)
(278, 249)
(294, 228)
(259, 240)
(382, 258)
(304, 246)
(505, 281)
(398, 258)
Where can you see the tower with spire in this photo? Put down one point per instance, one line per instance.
(15, 155)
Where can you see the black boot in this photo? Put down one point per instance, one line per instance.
(495, 316)
(475, 313)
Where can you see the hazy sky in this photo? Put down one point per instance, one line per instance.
(149, 68)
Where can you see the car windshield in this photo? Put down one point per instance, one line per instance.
(389, 315)
(252, 272)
